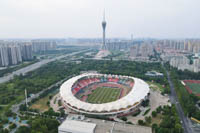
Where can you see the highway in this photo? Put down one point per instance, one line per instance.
(174, 100)
(35, 66)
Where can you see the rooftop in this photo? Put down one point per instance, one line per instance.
(77, 126)
(104, 126)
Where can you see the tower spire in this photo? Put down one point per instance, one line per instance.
(104, 32)
(104, 19)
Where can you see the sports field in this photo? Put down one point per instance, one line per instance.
(195, 87)
(103, 95)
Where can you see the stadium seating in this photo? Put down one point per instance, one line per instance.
(87, 85)
(84, 98)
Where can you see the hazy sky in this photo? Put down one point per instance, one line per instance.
(82, 18)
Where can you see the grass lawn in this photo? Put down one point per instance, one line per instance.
(103, 95)
(41, 104)
(157, 119)
(194, 87)
(155, 86)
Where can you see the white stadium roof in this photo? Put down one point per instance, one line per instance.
(139, 91)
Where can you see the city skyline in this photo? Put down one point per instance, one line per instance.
(99, 66)
(79, 19)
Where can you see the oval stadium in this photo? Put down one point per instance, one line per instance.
(102, 94)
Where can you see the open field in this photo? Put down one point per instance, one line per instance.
(104, 95)
(193, 86)
(41, 104)
(155, 86)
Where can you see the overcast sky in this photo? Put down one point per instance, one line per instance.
(82, 18)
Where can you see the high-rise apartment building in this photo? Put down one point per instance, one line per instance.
(26, 50)
(4, 56)
(12, 53)
(43, 45)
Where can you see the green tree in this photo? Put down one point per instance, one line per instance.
(12, 126)
(154, 114)
(178, 128)
(141, 122)
(124, 118)
(148, 119)
(154, 127)
(23, 129)
(44, 125)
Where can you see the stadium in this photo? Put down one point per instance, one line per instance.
(102, 94)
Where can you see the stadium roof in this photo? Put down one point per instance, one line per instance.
(139, 91)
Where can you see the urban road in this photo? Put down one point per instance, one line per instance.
(186, 123)
(34, 66)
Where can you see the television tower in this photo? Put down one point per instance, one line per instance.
(104, 32)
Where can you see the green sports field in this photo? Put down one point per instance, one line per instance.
(195, 87)
(103, 95)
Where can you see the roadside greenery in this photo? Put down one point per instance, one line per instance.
(170, 121)
(187, 100)
(183, 75)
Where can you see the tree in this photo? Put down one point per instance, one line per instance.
(178, 128)
(159, 109)
(9, 113)
(141, 122)
(129, 122)
(154, 127)
(59, 102)
(22, 107)
(12, 126)
(124, 118)
(4, 131)
(154, 114)
(148, 119)
(44, 125)
(145, 103)
(1, 126)
(163, 130)
(62, 113)
(50, 97)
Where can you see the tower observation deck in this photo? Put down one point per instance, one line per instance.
(104, 33)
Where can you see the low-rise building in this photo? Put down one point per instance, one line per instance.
(153, 74)
(73, 126)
